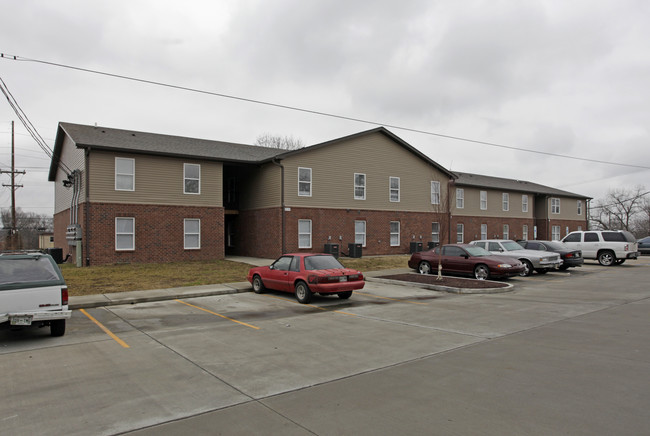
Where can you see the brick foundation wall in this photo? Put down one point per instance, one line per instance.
(544, 227)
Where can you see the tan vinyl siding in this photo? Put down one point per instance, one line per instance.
(568, 209)
(494, 203)
(261, 188)
(158, 180)
(73, 158)
(376, 156)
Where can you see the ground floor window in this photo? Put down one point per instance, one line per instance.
(460, 233)
(506, 231)
(484, 231)
(524, 233)
(192, 234)
(555, 233)
(304, 233)
(124, 234)
(360, 233)
(435, 233)
(394, 234)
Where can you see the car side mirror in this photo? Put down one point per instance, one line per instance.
(466, 256)
(271, 267)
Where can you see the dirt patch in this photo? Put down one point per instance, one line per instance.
(452, 282)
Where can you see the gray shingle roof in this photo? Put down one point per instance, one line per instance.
(477, 180)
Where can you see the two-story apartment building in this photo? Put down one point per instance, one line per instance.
(484, 207)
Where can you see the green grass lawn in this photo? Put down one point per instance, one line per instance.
(139, 277)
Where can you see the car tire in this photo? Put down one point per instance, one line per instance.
(258, 285)
(303, 293)
(481, 272)
(528, 268)
(424, 267)
(57, 327)
(344, 295)
(606, 258)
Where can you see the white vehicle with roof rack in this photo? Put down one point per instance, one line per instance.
(533, 260)
(609, 247)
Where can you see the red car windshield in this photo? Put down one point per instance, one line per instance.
(322, 262)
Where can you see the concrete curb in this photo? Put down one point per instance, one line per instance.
(508, 288)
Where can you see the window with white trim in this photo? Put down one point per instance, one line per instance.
(124, 234)
(524, 203)
(579, 206)
(191, 178)
(394, 189)
(435, 232)
(360, 233)
(506, 201)
(124, 174)
(460, 233)
(506, 231)
(192, 233)
(483, 200)
(555, 206)
(435, 192)
(394, 234)
(304, 182)
(460, 198)
(524, 232)
(484, 231)
(304, 233)
(555, 233)
(359, 186)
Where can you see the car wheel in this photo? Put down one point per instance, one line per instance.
(303, 293)
(424, 267)
(345, 295)
(258, 285)
(481, 272)
(57, 327)
(528, 268)
(606, 258)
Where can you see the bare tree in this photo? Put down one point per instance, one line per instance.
(278, 141)
(619, 209)
(641, 223)
(28, 226)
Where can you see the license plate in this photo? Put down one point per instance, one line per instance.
(343, 279)
(21, 320)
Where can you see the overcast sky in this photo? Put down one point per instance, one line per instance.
(560, 77)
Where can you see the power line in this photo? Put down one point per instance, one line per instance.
(314, 112)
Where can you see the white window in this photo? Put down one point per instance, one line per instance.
(524, 203)
(506, 231)
(304, 233)
(304, 182)
(460, 198)
(579, 204)
(435, 192)
(394, 233)
(359, 186)
(579, 228)
(555, 205)
(192, 234)
(124, 174)
(435, 232)
(460, 233)
(506, 201)
(191, 178)
(360, 233)
(484, 231)
(555, 233)
(124, 234)
(524, 232)
(394, 189)
(483, 200)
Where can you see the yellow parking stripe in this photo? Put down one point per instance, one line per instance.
(107, 331)
(217, 314)
(392, 299)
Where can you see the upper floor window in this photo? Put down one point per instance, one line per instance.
(394, 189)
(460, 198)
(304, 233)
(124, 234)
(191, 178)
(579, 204)
(192, 234)
(359, 186)
(124, 174)
(524, 203)
(304, 182)
(435, 192)
(506, 201)
(483, 200)
(555, 205)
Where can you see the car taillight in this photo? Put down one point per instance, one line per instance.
(64, 296)
(570, 255)
(627, 247)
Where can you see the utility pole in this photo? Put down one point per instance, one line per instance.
(13, 187)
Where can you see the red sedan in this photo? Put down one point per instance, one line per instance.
(465, 259)
(305, 274)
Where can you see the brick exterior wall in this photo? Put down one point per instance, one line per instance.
(545, 226)
(258, 233)
(159, 233)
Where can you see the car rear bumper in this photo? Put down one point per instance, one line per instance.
(36, 316)
(573, 262)
(633, 255)
(333, 288)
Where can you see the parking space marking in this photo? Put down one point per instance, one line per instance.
(218, 314)
(392, 299)
(107, 331)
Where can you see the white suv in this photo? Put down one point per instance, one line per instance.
(610, 247)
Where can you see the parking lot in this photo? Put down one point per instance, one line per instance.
(564, 353)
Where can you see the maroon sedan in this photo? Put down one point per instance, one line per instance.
(305, 274)
(466, 259)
